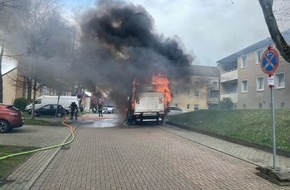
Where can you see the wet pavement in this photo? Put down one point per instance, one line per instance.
(107, 155)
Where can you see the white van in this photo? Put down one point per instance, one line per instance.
(65, 101)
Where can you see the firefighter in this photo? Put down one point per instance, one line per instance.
(73, 111)
(100, 109)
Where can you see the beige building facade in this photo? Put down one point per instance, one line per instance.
(202, 92)
(243, 81)
(9, 75)
(9, 89)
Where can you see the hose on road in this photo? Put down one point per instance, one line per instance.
(72, 129)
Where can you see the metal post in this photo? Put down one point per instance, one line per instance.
(219, 85)
(273, 127)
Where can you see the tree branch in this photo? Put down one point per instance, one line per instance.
(281, 44)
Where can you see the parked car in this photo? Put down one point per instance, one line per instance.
(10, 117)
(50, 109)
(173, 111)
(108, 109)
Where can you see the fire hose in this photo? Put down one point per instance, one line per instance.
(46, 148)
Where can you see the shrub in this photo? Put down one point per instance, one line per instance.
(226, 104)
(20, 103)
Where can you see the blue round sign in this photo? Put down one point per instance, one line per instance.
(270, 61)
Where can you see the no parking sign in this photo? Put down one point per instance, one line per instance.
(270, 61)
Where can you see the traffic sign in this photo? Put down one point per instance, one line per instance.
(269, 61)
(271, 81)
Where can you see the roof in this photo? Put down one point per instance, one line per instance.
(256, 46)
(209, 71)
(8, 64)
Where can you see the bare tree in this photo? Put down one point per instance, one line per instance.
(280, 42)
(46, 40)
(9, 4)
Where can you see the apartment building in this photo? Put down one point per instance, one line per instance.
(201, 92)
(242, 79)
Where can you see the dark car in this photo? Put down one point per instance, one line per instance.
(50, 109)
(10, 117)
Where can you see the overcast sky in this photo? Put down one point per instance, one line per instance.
(209, 29)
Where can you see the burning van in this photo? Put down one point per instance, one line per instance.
(150, 104)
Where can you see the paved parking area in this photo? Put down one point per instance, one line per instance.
(145, 158)
(35, 136)
(136, 158)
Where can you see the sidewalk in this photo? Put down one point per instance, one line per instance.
(248, 154)
(26, 175)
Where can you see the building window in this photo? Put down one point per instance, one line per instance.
(196, 94)
(196, 107)
(214, 94)
(244, 86)
(244, 62)
(215, 84)
(188, 106)
(260, 83)
(280, 80)
(282, 104)
(260, 105)
(259, 56)
(244, 106)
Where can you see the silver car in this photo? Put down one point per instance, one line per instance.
(174, 111)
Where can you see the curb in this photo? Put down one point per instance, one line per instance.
(42, 168)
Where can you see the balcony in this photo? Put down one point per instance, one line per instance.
(229, 76)
(233, 97)
(212, 100)
(213, 87)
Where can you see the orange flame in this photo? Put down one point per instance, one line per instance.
(161, 84)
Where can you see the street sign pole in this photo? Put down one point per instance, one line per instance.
(269, 64)
(273, 124)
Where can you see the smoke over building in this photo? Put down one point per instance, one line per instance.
(121, 45)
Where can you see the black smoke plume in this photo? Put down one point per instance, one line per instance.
(120, 45)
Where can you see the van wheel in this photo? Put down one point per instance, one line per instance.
(4, 126)
(134, 122)
(59, 115)
(35, 114)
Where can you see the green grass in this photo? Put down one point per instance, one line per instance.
(253, 126)
(7, 166)
(42, 121)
